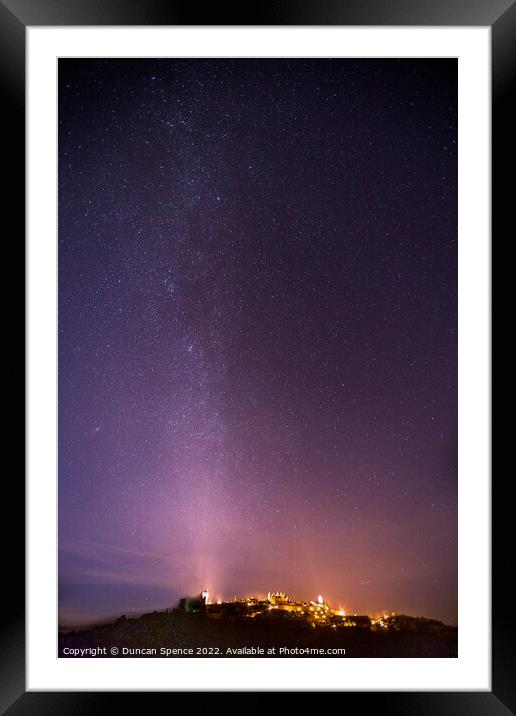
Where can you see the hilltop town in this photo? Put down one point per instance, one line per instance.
(315, 612)
(254, 627)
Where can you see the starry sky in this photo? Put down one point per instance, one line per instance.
(257, 313)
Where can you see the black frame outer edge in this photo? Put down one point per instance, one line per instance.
(15, 15)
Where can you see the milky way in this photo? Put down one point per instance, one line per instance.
(257, 332)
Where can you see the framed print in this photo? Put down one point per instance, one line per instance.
(258, 366)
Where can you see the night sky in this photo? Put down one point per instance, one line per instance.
(257, 333)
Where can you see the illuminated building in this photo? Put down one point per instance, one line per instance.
(278, 598)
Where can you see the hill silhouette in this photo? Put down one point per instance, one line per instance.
(227, 637)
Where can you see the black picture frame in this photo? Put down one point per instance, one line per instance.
(15, 17)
